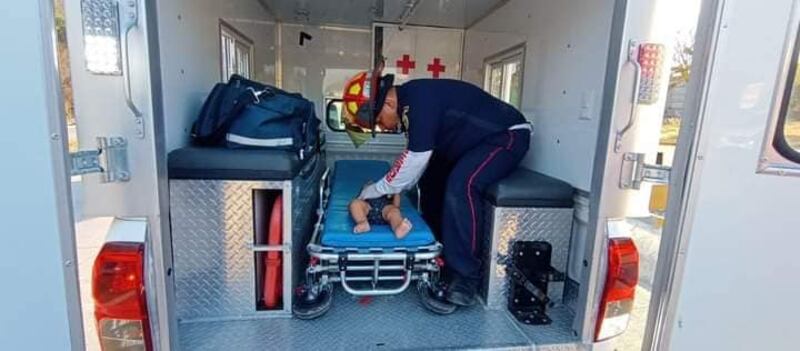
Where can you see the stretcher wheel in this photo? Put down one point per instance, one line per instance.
(432, 297)
(311, 302)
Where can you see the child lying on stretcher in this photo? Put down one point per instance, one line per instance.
(379, 211)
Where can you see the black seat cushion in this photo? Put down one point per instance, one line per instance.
(526, 188)
(234, 164)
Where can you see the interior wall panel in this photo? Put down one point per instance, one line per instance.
(190, 54)
(566, 45)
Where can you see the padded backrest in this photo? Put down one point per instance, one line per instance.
(526, 188)
(234, 164)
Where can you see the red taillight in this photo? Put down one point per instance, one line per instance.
(120, 305)
(620, 288)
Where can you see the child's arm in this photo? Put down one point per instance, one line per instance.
(396, 200)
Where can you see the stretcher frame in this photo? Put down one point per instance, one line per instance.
(346, 266)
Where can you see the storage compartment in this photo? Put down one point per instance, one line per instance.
(233, 246)
(526, 206)
(268, 246)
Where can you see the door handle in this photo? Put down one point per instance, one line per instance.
(129, 17)
(633, 58)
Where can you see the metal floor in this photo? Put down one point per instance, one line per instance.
(385, 323)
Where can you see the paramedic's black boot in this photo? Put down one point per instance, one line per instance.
(433, 298)
(462, 291)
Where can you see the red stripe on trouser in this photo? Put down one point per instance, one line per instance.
(472, 178)
(469, 193)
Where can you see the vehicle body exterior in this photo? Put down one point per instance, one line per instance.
(725, 268)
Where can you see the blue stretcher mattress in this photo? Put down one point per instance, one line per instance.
(348, 178)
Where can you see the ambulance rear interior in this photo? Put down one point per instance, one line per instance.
(551, 55)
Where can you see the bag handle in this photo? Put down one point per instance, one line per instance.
(218, 134)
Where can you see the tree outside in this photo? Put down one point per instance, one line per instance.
(63, 61)
(678, 80)
(64, 72)
(792, 128)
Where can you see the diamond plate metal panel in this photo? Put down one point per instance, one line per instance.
(556, 336)
(509, 224)
(212, 231)
(386, 323)
(571, 290)
(212, 236)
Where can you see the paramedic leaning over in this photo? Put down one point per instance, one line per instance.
(460, 140)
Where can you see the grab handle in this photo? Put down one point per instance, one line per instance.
(633, 58)
(130, 18)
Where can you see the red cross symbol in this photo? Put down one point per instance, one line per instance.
(406, 64)
(436, 67)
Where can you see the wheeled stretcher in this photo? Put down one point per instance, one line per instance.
(369, 264)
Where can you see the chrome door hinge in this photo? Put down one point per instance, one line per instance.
(110, 159)
(635, 171)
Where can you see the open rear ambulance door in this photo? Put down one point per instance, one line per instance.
(623, 255)
(734, 283)
(121, 166)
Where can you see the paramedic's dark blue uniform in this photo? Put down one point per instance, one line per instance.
(476, 141)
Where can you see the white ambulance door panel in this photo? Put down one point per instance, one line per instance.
(740, 284)
(40, 302)
(116, 87)
(110, 71)
(629, 175)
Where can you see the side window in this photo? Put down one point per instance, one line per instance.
(333, 85)
(333, 114)
(236, 52)
(781, 152)
(787, 136)
(504, 75)
(335, 121)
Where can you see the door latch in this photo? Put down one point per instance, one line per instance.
(110, 159)
(635, 171)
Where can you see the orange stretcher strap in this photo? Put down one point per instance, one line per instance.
(273, 272)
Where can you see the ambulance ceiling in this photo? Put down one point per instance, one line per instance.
(441, 13)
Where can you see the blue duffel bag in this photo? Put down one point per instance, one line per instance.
(248, 114)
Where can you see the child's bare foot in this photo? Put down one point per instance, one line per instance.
(362, 227)
(402, 230)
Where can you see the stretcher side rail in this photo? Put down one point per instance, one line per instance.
(375, 291)
(422, 252)
(323, 202)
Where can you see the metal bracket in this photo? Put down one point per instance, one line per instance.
(110, 159)
(342, 263)
(634, 171)
(409, 264)
(529, 273)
